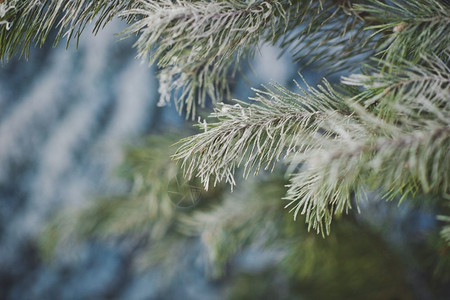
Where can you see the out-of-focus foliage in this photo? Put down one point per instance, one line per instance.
(148, 215)
(352, 262)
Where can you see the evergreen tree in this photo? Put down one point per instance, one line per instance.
(384, 130)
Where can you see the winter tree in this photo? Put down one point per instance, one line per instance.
(383, 131)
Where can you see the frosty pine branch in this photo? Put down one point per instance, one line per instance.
(385, 127)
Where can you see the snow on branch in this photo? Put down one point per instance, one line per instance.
(336, 147)
(197, 43)
(29, 22)
(399, 166)
(256, 135)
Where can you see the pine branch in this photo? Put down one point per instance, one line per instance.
(29, 22)
(330, 36)
(342, 147)
(257, 135)
(401, 166)
(197, 44)
(418, 92)
(410, 28)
